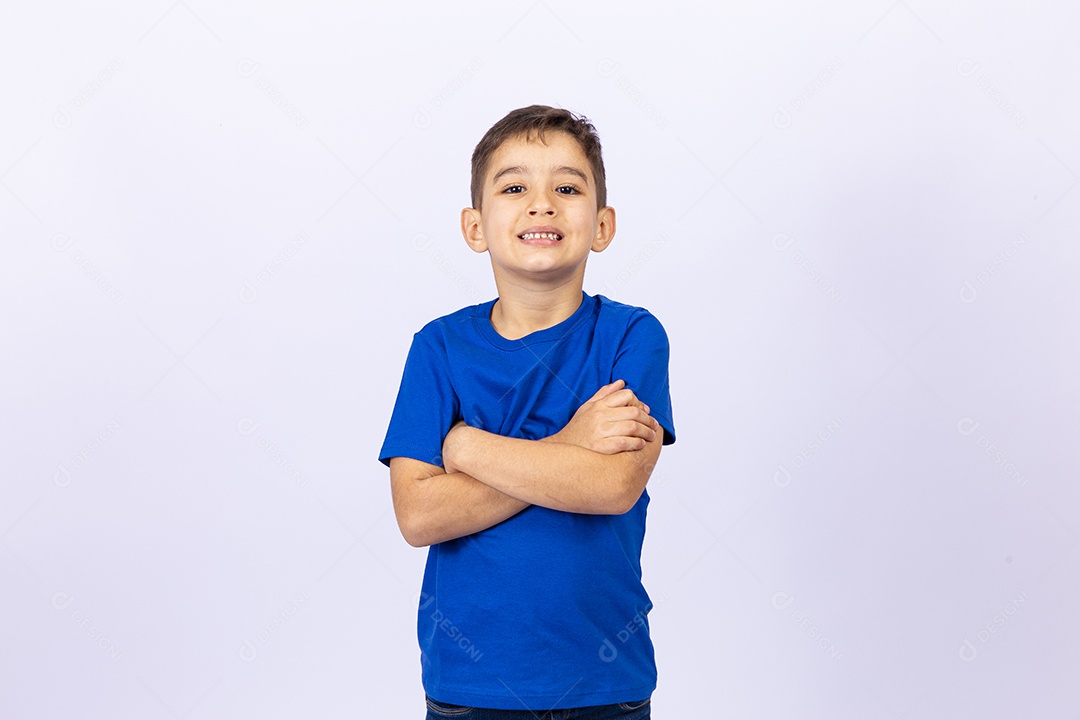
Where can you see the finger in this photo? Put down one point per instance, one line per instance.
(625, 396)
(633, 443)
(630, 412)
(646, 419)
(634, 414)
(633, 429)
(637, 402)
(620, 444)
(619, 398)
(607, 390)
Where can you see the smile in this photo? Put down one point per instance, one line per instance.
(540, 236)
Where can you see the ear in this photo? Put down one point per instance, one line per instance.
(471, 230)
(605, 228)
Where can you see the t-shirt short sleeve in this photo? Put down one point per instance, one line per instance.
(642, 361)
(542, 602)
(426, 405)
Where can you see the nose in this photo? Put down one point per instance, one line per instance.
(542, 204)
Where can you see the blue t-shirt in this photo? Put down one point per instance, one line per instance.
(545, 610)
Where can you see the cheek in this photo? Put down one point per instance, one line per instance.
(585, 219)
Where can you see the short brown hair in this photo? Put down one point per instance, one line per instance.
(539, 119)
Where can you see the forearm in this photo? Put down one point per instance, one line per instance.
(550, 474)
(448, 506)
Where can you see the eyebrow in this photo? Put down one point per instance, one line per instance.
(522, 170)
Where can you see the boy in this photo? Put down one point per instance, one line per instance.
(523, 435)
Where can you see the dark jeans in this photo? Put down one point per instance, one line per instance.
(638, 710)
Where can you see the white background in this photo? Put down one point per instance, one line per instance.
(222, 224)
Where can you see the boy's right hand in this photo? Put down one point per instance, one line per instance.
(612, 421)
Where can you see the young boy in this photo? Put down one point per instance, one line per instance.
(523, 435)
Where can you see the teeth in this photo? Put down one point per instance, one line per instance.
(546, 235)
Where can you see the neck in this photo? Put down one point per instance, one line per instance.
(522, 310)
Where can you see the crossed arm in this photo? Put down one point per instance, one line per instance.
(598, 464)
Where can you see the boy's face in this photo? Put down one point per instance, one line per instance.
(539, 219)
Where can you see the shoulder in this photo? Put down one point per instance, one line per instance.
(630, 318)
(454, 325)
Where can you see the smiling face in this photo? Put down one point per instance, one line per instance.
(540, 218)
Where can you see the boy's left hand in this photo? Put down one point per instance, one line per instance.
(612, 421)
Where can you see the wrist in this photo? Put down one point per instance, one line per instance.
(552, 438)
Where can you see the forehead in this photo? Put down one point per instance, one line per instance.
(558, 150)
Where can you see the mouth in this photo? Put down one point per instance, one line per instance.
(541, 236)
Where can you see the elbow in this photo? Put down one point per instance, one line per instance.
(416, 538)
(412, 506)
(625, 495)
(630, 476)
(413, 528)
(417, 541)
(625, 502)
(411, 534)
(414, 532)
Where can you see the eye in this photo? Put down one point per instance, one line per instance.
(514, 189)
(567, 190)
